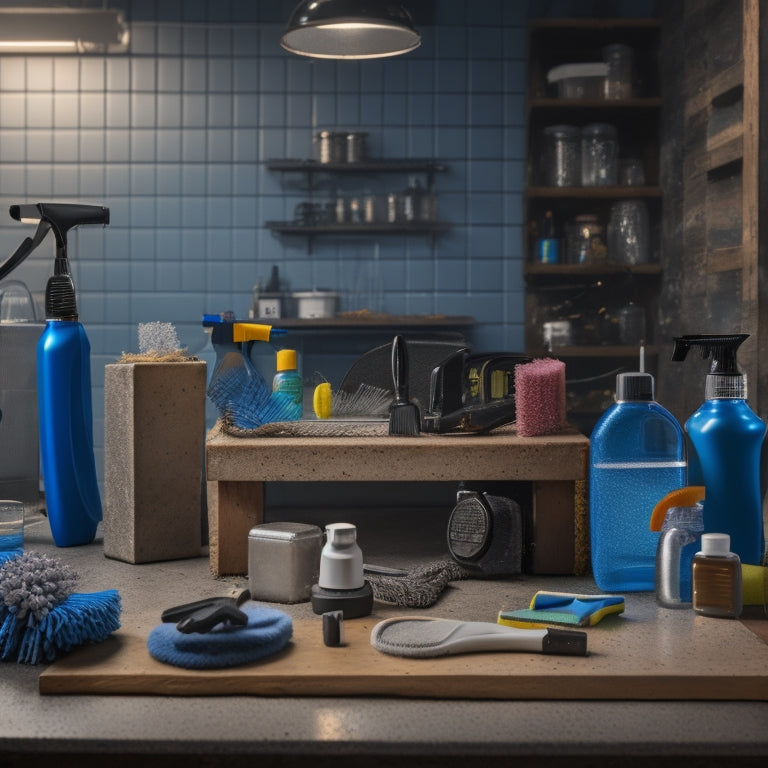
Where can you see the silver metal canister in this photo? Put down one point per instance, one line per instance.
(356, 147)
(330, 147)
(283, 561)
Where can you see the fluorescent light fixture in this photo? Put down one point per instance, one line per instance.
(350, 29)
(62, 30)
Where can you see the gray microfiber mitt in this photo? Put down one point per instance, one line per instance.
(40, 614)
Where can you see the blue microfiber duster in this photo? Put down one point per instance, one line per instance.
(40, 614)
(268, 631)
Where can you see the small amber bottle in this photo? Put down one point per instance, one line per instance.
(716, 576)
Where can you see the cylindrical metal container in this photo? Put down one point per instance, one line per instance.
(330, 147)
(356, 147)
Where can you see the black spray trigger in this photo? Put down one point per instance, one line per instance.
(205, 619)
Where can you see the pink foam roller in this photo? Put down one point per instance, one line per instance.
(540, 397)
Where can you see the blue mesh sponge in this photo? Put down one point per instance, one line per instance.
(268, 631)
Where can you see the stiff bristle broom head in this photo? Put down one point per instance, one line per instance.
(42, 617)
(540, 397)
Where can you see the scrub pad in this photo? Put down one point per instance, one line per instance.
(540, 397)
(563, 608)
(267, 632)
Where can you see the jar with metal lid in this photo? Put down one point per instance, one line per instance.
(561, 156)
(599, 155)
(585, 240)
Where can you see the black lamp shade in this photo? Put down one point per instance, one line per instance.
(350, 29)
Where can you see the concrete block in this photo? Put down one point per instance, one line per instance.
(154, 432)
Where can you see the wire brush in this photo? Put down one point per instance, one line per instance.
(40, 614)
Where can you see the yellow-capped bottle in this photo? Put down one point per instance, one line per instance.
(288, 381)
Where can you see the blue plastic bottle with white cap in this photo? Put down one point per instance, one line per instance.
(637, 456)
(726, 439)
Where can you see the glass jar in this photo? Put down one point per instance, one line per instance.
(561, 156)
(628, 233)
(620, 61)
(599, 155)
(585, 240)
(631, 320)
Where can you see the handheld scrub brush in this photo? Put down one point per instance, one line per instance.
(40, 614)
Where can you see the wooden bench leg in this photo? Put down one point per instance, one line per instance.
(553, 527)
(233, 509)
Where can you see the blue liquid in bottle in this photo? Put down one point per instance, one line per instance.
(288, 381)
(637, 456)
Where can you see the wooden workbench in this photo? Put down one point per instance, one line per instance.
(555, 465)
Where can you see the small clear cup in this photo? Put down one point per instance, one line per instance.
(11, 527)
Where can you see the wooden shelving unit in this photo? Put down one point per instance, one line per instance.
(589, 295)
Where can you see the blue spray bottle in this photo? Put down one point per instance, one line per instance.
(63, 379)
(725, 442)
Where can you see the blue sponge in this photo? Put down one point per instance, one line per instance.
(267, 632)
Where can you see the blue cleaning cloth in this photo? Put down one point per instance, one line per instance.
(268, 631)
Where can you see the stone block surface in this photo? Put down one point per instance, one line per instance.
(154, 432)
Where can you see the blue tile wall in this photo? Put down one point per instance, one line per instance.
(173, 135)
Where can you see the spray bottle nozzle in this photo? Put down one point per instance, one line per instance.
(724, 378)
(60, 302)
(721, 348)
(60, 216)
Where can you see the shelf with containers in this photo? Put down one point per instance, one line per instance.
(412, 211)
(592, 201)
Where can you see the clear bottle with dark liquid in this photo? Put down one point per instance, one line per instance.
(716, 576)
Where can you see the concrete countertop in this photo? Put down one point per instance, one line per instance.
(162, 730)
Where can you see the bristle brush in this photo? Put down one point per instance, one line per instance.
(366, 400)
(404, 416)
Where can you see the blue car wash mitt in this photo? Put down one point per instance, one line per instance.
(266, 632)
(40, 614)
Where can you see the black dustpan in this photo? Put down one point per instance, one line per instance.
(374, 368)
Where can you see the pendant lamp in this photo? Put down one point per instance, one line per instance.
(350, 29)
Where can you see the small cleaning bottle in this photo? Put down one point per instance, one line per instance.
(63, 379)
(716, 576)
(725, 442)
(288, 381)
(637, 456)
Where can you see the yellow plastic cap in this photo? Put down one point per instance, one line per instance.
(286, 360)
